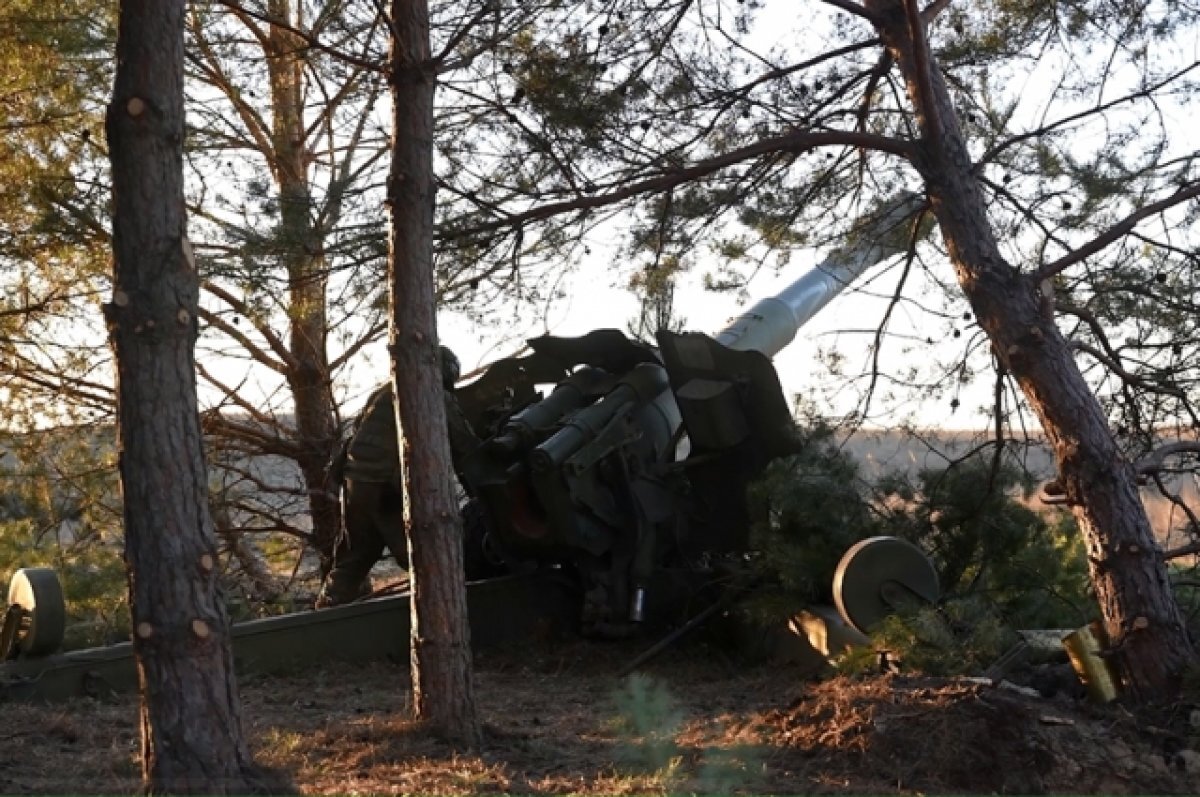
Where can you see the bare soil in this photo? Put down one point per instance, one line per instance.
(558, 720)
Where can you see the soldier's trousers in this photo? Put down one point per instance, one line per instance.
(374, 517)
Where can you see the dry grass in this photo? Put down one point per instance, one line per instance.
(558, 721)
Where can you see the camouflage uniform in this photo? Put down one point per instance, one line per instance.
(372, 491)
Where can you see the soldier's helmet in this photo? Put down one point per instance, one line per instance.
(451, 368)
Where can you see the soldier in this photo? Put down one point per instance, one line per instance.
(372, 493)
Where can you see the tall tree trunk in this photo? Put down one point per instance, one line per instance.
(1146, 629)
(190, 716)
(304, 259)
(443, 681)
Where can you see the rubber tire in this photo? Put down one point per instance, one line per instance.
(867, 566)
(38, 591)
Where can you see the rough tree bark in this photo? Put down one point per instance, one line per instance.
(1146, 629)
(304, 259)
(443, 680)
(190, 715)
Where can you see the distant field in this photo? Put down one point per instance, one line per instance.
(273, 484)
(880, 453)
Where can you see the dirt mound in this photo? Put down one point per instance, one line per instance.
(907, 734)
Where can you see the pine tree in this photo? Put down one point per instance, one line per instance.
(192, 738)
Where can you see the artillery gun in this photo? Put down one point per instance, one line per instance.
(631, 471)
(636, 463)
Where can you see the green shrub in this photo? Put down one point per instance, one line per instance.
(1001, 565)
(58, 509)
(92, 574)
(806, 510)
(1029, 568)
(962, 635)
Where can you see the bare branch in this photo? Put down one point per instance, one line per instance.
(366, 338)
(877, 73)
(920, 48)
(257, 353)
(1118, 231)
(991, 154)
(931, 12)
(461, 33)
(264, 440)
(99, 397)
(1184, 550)
(1155, 460)
(234, 396)
(238, 306)
(312, 41)
(210, 65)
(850, 7)
(897, 293)
(796, 142)
(1120, 371)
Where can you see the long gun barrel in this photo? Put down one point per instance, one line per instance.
(772, 323)
(726, 388)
